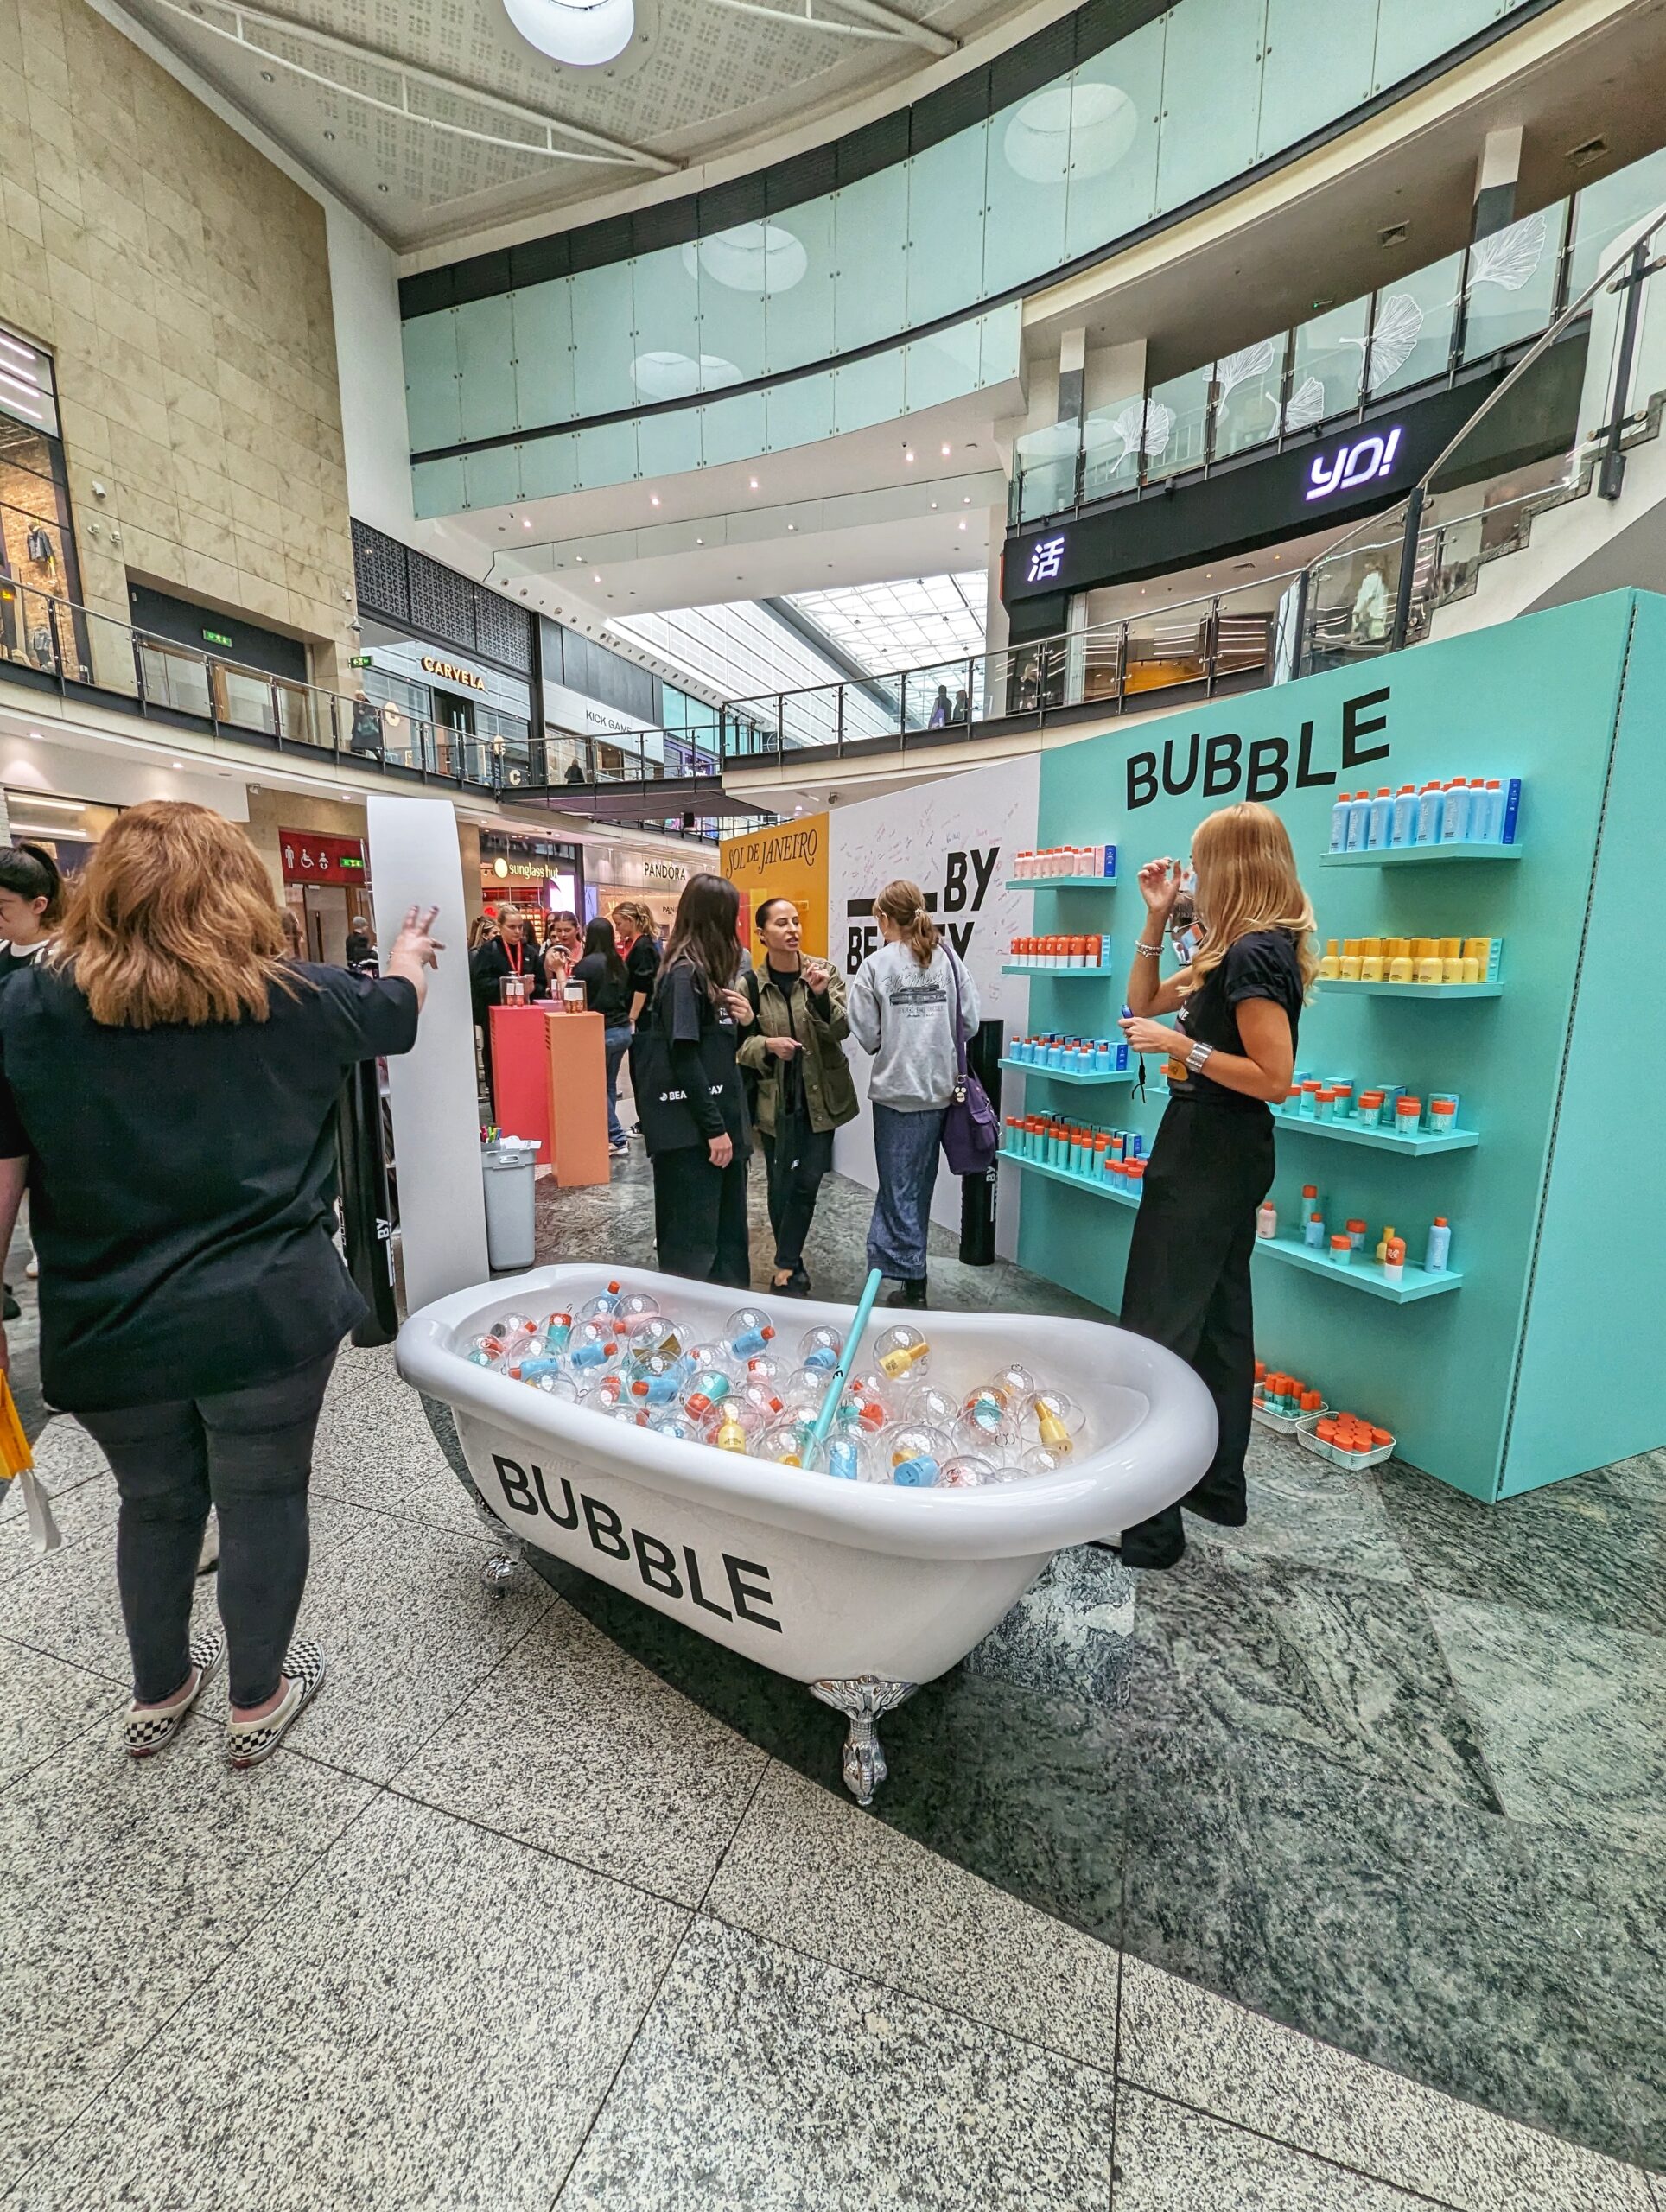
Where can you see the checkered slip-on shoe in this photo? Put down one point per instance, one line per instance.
(248, 1742)
(148, 1729)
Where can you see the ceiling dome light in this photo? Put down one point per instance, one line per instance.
(1089, 129)
(585, 32)
(752, 257)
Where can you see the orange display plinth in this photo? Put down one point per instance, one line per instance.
(575, 1085)
(520, 1074)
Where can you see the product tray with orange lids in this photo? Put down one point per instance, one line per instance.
(1375, 1444)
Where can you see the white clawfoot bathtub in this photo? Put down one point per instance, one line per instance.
(859, 1590)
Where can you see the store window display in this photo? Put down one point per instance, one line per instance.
(40, 621)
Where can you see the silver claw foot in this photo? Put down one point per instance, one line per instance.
(865, 1698)
(500, 1570)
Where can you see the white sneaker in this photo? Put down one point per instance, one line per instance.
(146, 1729)
(249, 1742)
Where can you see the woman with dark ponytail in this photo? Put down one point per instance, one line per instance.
(31, 906)
(905, 1004)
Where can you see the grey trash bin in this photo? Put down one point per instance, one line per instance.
(510, 1165)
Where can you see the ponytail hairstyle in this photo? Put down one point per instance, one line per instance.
(29, 872)
(599, 939)
(1247, 881)
(904, 904)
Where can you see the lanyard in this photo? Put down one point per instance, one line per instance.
(514, 951)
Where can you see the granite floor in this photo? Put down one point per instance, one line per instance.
(1295, 1882)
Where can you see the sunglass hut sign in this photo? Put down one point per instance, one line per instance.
(1225, 767)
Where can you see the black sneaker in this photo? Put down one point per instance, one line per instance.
(10, 1311)
(911, 1291)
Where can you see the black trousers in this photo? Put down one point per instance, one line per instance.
(1187, 1288)
(797, 1157)
(700, 1216)
(248, 1452)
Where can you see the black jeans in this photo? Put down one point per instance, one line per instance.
(797, 1157)
(1187, 1287)
(700, 1216)
(249, 1452)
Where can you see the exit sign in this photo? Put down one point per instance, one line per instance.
(217, 636)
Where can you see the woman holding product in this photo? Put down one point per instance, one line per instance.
(804, 1090)
(908, 1003)
(689, 1095)
(1230, 1050)
(608, 992)
(167, 1086)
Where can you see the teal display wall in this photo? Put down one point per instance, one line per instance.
(1547, 1358)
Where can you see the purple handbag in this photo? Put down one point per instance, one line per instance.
(971, 1135)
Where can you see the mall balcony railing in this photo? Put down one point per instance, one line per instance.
(1459, 316)
(1384, 585)
(1222, 642)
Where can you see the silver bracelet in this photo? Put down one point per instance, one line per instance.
(1198, 1056)
(1148, 951)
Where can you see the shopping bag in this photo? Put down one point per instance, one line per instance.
(17, 1472)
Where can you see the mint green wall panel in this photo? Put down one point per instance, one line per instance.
(665, 300)
(865, 392)
(1415, 322)
(1592, 1381)
(543, 353)
(799, 306)
(732, 429)
(1026, 186)
(1210, 96)
(1000, 335)
(1512, 282)
(943, 366)
(604, 320)
(549, 467)
(492, 478)
(735, 271)
(667, 444)
(1116, 99)
(433, 402)
(1535, 698)
(800, 411)
(485, 354)
(1410, 33)
(436, 487)
(946, 226)
(872, 259)
(605, 454)
(1316, 61)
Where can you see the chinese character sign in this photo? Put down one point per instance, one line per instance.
(1046, 558)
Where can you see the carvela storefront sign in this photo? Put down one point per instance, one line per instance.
(1242, 505)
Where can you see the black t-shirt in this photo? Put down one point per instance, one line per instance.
(701, 1053)
(642, 965)
(12, 961)
(610, 999)
(1260, 966)
(179, 1183)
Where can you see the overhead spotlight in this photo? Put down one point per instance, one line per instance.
(934, 506)
(595, 580)
(966, 500)
(947, 449)
(754, 482)
(654, 498)
(699, 541)
(176, 764)
(524, 523)
(266, 76)
(381, 188)
(909, 458)
(329, 134)
(792, 525)
(963, 522)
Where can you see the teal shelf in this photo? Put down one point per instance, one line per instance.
(1359, 1274)
(1381, 1139)
(1068, 1075)
(1099, 975)
(1060, 883)
(1445, 991)
(1411, 855)
(1076, 1182)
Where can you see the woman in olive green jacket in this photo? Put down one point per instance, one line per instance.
(795, 1048)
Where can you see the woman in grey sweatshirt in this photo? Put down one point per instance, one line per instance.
(902, 1010)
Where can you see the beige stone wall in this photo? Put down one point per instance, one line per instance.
(183, 285)
(272, 812)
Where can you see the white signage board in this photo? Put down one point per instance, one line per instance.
(955, 837)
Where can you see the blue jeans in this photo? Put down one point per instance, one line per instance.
(906, 1148)
(618, 1043)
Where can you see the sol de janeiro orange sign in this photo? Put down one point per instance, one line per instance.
(786, 862)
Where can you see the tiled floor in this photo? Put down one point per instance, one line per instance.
(513, 1922)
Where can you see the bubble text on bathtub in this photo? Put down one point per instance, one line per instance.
(657, 1562)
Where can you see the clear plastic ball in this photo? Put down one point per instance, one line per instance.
(733, 1428)
(1038, 1460)
(762, 1368)
(1054, 1404)
(821, 1347)
(599, 1398)
(929, 1407)
(967, 1471)
(916, 1453)
(805, 1389)
(708, 1354)
(677, 1426)
(601, 1308)
(988, 1407)
(655, 1336)
(785, 1442)
(557, 1386)
(902, 1352)
(635, 1309)
(1009, 1472)
(593, 1349)
(1003, 1441)
(513, 1324)
(1017, 1382)
(709, 1389)
(763, 1397)
(748, 1329)
(843, 1457)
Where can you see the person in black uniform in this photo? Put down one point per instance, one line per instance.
(1231, 1049)
(31, 906)
(689, 1094)
(608, 992)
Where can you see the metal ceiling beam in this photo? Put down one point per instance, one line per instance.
(591, 146)
(875, 20)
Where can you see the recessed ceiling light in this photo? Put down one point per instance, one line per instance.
(329, 134)
(699, 541)
(792, 525)
(966, 500)
(947, 450)
(934, 506)
(176, 764)
(963, 522)
(595, 580)
(754, 482)
(654, 498)
(909, 458)
(266, 76)
(381, 188)
(524, 523)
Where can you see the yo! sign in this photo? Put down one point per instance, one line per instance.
(1360, 461)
